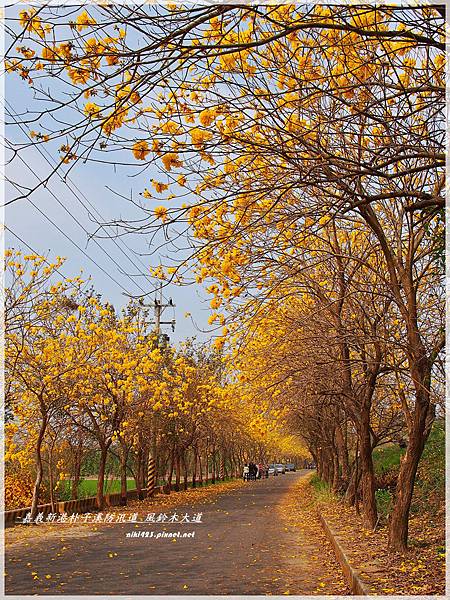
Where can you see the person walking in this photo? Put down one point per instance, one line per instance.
(246, 473)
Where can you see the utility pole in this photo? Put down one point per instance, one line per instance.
(158, 307)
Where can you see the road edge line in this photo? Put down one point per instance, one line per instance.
(358, 588)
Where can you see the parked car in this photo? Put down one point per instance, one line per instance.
(273, 470)
(280, 468)
(290, 467)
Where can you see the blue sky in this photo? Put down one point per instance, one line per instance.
(89, 182)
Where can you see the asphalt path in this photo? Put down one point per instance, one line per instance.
(241, 546)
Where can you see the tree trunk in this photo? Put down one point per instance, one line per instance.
(143, 467)
(319, 463)
(137, 474)
(200, 469)
(398, 524)
(420, 365)
(157, 467)
(51, 482)
(76, 474)
(39, 469)
(172, 463)
(213, 465)
(341, 443)
(194, 469)
(123, 474)
(177, 471)
(326, 467)
(223, 465)
(232, 466)
(367, 473)
(336, 478)
(185, 470)
(101, 477)
(350, 494)
(314, 454)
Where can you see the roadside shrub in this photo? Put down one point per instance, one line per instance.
(387, 458)
(18, 490)
(384, 502)
(429, 490)
(387, 480)
(322, 490)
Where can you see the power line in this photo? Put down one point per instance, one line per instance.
(50, 161)
(45, 260)
(76, 221)
(71, 241)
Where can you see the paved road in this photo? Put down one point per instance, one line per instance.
(242, 546)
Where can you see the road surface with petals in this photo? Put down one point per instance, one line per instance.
(255, 538)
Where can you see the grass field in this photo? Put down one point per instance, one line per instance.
(429, 489)
(387, 458)
(322, 490)
(88, 487)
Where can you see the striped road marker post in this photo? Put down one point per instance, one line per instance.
(151, 475)
(222, 469)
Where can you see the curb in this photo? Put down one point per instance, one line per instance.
(358, 588)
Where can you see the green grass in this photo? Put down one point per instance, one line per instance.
(429, 488)
(429, 491)
(88, 487)
(384, 502)
(387, 458)
(322, 490)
